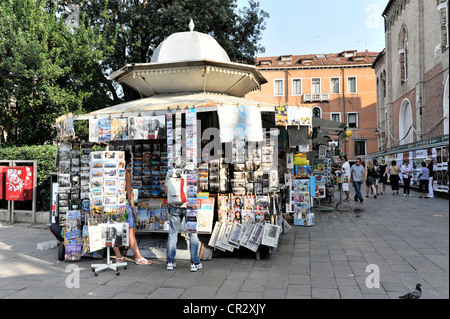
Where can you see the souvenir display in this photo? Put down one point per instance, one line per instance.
(169, 142)
(150, 218)
(302, 201)
(72, 235)
(205, 214)
(107, 189)
(123, 129)
(191, 170)
(243, 176)
(320, 171)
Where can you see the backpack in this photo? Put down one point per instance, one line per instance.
(176, 190)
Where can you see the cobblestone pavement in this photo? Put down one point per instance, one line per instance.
(405, 238)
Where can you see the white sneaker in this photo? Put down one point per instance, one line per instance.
(194, 268)
(404, 194)
(171, 265)
(199, 266)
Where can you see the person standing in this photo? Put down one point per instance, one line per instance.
(371, 176)
(177, 214)
(424, 180)
(394, 178)
(357, 173)
(346, 177)
(407, 170)
(132, 217)
(430, 166)
(382, 171)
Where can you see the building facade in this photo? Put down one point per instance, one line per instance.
(339, 87)
(413, 82)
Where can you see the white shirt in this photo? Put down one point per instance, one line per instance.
(346, 167)
(406, 168)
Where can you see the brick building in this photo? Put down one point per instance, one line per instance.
(412, 73)
(412, 84)
(339, 87)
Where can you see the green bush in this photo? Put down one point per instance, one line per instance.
(45, 156)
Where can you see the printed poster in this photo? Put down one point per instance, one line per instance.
(242, 122)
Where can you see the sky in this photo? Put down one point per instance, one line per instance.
(297, 27)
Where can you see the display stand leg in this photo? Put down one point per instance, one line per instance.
(258, 254)
(96, 268)
(341, 202)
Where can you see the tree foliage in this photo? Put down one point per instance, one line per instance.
(136, 27)
(48, 68)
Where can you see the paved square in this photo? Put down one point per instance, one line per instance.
(405, 238)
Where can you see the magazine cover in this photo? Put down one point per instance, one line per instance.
(155, 127)
(281, 116)
(119, 129)
(104, 130)
(136, 128)
(205, 215)
(73, 252)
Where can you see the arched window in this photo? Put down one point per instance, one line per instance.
(403, 54)
(405, 122)
(316, 111)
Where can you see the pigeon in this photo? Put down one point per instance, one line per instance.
(415, 294)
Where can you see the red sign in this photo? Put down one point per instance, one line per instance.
(2, 181)
(19, 183)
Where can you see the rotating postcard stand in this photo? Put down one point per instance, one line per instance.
(109, 233)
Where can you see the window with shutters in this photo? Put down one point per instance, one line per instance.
(315, 85)
(296, 86)
(351, 85)
(334, 85)
(352, 120)
(279, 87)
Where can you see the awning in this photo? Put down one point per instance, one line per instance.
(159, 104)
(328, 130)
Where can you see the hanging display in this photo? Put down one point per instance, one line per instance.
(123, 129)
(191, 170)
(240, 121)
(302, 201)
(107, 198)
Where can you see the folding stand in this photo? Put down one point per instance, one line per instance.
(96, 268)
(341, 203)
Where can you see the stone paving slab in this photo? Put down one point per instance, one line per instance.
(405, 237)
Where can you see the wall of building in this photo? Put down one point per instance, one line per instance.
(426, 28)
(362, 102)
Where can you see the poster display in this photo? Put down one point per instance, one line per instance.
(123, 129)
(241, 121)
(107, 199)
(191, 171)
(302, 201)
(205, 215)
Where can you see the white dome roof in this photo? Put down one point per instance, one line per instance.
(189, 46)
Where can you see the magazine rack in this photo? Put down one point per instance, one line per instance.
(96, 268)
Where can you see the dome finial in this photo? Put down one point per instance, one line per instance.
(191, 25)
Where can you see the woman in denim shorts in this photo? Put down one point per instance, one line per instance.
(131, 210)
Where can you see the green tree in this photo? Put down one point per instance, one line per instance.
(136, 27)
(47, 69)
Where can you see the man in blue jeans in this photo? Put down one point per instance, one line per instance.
(176, 216)
(357, 173)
